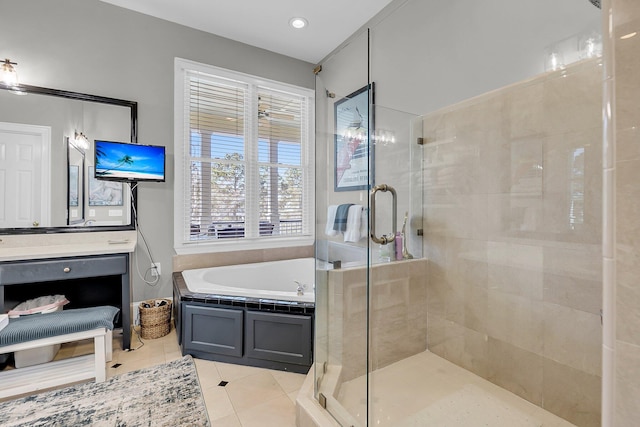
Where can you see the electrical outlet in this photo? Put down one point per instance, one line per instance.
(155, 269)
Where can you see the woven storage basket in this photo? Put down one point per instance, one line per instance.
(155, 322)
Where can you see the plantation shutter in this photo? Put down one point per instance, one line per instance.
(281, 133)
(216, 161)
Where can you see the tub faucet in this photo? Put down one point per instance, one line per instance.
(301, 288)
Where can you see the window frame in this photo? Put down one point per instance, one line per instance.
(182, 244)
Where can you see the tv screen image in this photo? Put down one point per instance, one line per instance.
(120, 161)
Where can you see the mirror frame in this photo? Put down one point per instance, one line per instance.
(81, 180)
(133, 106)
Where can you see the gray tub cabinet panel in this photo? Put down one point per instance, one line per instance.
(213, 330)
(177, 315)
(279, 337)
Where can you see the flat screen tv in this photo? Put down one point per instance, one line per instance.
(121, 161)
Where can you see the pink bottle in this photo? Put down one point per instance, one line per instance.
(398, 242)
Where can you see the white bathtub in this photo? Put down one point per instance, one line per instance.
(267, 280)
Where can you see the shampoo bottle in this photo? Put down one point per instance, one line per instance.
(398, 242)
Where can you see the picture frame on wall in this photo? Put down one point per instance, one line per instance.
(353, 149)
(74, 185)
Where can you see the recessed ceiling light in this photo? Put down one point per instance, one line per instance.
(628, 36)
(298, 23)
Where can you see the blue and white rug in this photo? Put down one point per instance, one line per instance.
(164, 395)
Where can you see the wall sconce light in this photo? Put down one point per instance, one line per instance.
(589, 45)
(554, 61)
(8, 74)
(81, 140)
(384, 137)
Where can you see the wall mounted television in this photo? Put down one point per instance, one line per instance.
(122, 161)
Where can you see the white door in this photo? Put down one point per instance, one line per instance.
(24, 175)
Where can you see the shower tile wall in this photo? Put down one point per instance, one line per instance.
(398, 316)
(626, 21)
(513, 193)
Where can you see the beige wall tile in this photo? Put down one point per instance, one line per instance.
(627, 384)
(627, 65)
(578, 261)
(476, 308)
(524, 282)
(628, 144)
(573, 338)
(515, 320)
(573, 292)
(445, 338)
(524, 110)
(508, 239)
(572, 394)
(192, 261)
(572, 99)
(515, 369)
(625, 11)
(628, 294)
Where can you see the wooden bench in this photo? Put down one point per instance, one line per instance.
(79, 324)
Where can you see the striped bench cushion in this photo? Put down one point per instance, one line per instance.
(38, 326)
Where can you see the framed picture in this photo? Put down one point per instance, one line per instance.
(74, 185)
(104, 193)
(353, 150)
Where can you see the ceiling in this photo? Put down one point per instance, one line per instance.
(265, 24)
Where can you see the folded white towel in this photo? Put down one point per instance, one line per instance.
(354, 219)
(331, 219)
(364, 224)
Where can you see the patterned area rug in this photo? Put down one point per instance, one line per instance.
(164, 395)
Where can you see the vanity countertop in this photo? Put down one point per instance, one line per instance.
(39, 246)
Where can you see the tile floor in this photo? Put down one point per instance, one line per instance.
(252, 397)
(426, 389)
(414, 392)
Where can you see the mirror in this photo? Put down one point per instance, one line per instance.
(76, 180)
(47, 182)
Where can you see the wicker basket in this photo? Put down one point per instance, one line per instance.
(155, 322)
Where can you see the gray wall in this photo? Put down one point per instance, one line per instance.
(93, 47)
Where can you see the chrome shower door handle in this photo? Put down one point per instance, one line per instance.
(385, 238)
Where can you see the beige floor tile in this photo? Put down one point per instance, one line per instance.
(289, 381)
(278, 412)
(173, 355)
(229, 421)
(230, 372)
(128, 365)
(217, 402)
(207, 373)
(253, 390)
(293, 396)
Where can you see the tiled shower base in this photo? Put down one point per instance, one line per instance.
(426, 390)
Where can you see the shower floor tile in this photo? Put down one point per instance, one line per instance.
(425, 390)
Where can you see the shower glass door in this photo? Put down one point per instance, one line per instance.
(342, 243)
(368, 234)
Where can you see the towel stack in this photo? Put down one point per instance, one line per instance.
(348, 219)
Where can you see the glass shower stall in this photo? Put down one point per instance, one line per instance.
(458, 217)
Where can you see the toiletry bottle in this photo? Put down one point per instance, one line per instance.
(398, 242)
(384, 254)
